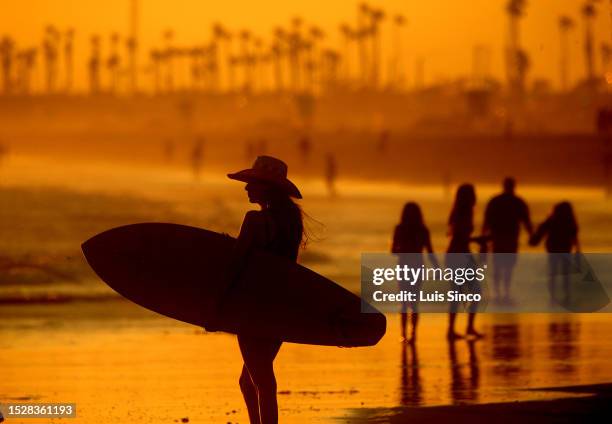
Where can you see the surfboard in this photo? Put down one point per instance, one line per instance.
(179, 271)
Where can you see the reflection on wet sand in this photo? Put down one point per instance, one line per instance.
(506, 351)
(564, 348)
(410, 382)
(465, 378)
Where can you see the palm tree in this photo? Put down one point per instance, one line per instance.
(395, 74)
(245, 39)
(348, 35)
(362, 33)
(50, 48)
(222, 38)
(169, 53)
(7, 47)
(588, 14)
(277, 52)
(376, 17)
(112, 63)
(565, 26)
(514, 56)
(94, 65)
(316, 35)
(132, 45)
(69, 58)
(27, 59)
(296, 45)
(331, 61)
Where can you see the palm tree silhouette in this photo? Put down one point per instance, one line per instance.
(169, 53)
(26, 60)
(348, 35)
(94, 65)
(277, 51)
(588, 14)
(376, 17)
(565, 26)
(245, 60)
(296, 45)
(112, 63)
(7, 47)
(69, 58)
(222, 38)
(316, 35)
(395, 74)
(516, 59)
(363, 32)
(50, 49)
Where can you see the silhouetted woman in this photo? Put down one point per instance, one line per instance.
(412, 236)
(460, 228)
(561, 232)
(278, 229)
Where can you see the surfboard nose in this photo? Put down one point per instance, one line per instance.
(362, 329)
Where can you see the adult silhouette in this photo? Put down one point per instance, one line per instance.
(504, 215)
(411, 237)
(460, 229)
(277, 228)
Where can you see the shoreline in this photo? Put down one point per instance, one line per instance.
(594, 403)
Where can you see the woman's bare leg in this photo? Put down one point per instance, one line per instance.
(249, 392)
(258, 357)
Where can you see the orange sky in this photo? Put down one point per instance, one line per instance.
(443, 32)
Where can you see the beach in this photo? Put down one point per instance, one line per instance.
(66, 337)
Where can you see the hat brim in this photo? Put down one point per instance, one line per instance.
(250, 175)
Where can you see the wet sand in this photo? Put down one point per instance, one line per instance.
(121, 363)
(595, 405)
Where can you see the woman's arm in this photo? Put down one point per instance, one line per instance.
(247, 240)
(539, 234)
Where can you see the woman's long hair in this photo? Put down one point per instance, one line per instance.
(462, 212)
(288, 217)
(563, 218)
(412, 219)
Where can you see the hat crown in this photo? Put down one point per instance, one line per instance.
(270, 166)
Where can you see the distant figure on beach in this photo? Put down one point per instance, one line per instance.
(561, 232)
(460, 228)
(383, 141)
(305, 147)
(504, 215)
(411, 236)
(277, 228)
(197, 157)
(331, 173)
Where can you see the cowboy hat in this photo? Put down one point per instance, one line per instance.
(270, 170)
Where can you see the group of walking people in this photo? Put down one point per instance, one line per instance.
(504, 216)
